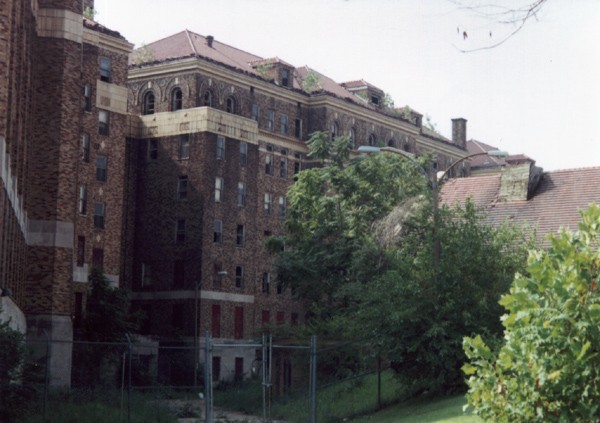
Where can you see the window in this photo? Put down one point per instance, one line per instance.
(243, 154)
(241, 194)
(105, 69)
(266, 281)
(85, 148)
(148, 106)
(99, 215)
(82, 199)
(269, 164)
(239, 369)
(80, 251)
(297, 168)
(375, 99)
(230, 105)
(268, 202)
(280, 317)
(220, 147)
(255, 112)
(216, 321)
(178, 273)
(352, 135)
(335, 130)
(283, 124)
(218, 189)
(101, 168)
(238, 328)
(97, 258)
(279, 288)
(282, 207)
(271, 121)
(184, 146)
(298, 128)
(239, 277)
(208, 98)
(152, 146)
(182, 187)
(218, 232)
(87, 98)
(390, 143)
(285, 77)
(216, 367)
(103, 122)
(176, 99)
(265, 317)
(240, 237)
(180, 231)
(283, 167)
(372, 139)
(146, 275)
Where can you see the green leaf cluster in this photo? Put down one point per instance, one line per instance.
(548, 367)
(390, 292)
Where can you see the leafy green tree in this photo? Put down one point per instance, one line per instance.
(359, 251)
(548, 367)
(107, 321)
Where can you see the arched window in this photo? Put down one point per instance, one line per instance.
(148, 103)
(335, 130)
(407, 147)
(390, 143)
(176, 99)
(230, 105)
(352, 135)
(372, 139)
(208, 98)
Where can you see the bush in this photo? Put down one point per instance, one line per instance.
(548, 368)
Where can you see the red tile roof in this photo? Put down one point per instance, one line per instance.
(556, 202)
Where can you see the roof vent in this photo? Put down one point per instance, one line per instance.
(209, 40)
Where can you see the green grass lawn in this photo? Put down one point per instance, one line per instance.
(446, 410)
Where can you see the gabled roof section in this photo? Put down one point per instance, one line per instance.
(270, 61)
(556, 203)
(359, 84)
(326, 84)
(187, 43)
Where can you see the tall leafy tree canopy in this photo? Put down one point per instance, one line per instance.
(359, 251)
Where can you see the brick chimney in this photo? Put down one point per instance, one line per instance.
(209, 40)
(459, 132)
(519, 181)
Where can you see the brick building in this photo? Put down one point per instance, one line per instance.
(63, 105)
(168, 168)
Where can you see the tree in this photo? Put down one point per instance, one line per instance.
(107, 321)
(359, 251)
(548, 367)
(507, 20)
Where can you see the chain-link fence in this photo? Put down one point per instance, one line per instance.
(269, 379)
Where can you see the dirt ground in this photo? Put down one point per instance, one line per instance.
(188, 407)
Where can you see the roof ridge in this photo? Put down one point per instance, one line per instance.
(187, 33)
(573, 169)
(215, 40)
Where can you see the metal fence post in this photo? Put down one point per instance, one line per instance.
(46, 374)
(129, 377)
(313, 379)
(208, 379)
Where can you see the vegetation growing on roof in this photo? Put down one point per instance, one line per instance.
(143, 54)
(311, 82)
(90, 13)
(264, 70)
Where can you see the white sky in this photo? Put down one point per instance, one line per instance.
(537, 94)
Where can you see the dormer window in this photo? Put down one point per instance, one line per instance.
(375, 100)
(285, 77)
